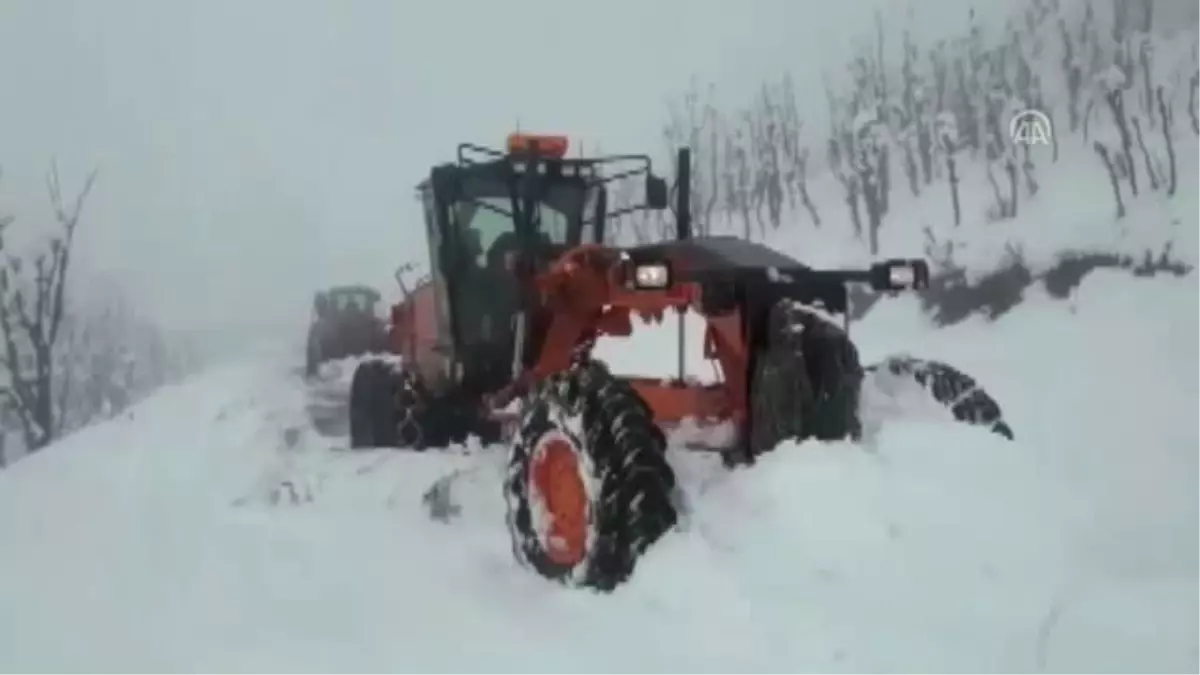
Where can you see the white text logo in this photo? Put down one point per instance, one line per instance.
(1030, 127)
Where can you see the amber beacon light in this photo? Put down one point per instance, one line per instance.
(542, 145)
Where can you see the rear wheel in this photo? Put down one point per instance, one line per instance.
(588, 486)
(383, 408)
(373, 416)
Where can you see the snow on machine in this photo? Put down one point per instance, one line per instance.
(497, 344)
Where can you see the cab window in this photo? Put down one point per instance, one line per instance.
(483, 226)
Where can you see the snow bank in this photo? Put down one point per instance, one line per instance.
(213, 528)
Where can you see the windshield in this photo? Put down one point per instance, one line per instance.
(350, 301)
(484, 225)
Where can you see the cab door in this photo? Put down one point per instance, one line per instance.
(431, 303)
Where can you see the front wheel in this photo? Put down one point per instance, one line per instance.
(588, 487)
(806, 380)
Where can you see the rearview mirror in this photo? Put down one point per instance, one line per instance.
(656, 192)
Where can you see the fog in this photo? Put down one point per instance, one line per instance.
(250, 152)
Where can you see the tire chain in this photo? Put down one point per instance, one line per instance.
(959, 392)
(410, 400)
(634, 507)
(623, 420)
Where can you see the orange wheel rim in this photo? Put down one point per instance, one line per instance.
(558, 483)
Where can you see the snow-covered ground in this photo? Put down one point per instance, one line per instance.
(212, 528)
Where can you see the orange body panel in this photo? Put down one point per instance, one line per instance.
(586, 295)
(672, 402)
(414, 329)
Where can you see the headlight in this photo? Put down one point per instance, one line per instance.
(902, 276)
(656, 276)
(899, 275)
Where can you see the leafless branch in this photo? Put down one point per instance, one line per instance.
(32, 304)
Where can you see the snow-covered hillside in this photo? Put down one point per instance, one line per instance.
(212, 528)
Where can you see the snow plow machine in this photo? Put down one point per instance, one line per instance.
(497, 343)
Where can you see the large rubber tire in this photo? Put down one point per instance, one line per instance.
(806, 381)
(965, 398)
(588, 487)
(374, 417)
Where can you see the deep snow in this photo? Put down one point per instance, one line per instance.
(213, 529)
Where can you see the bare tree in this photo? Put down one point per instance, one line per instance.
(1164, 112)
(1193, 88)
(693, 122)
(97, 372)
(7, 413)
(32, 303)
(1114, 181)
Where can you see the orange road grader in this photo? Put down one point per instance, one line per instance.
(497, 343)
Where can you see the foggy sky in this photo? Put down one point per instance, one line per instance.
(251, 151)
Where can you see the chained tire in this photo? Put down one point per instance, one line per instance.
(374, 419)
(588, 487)
(384, 408)
(958, 392)
(806, 380)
